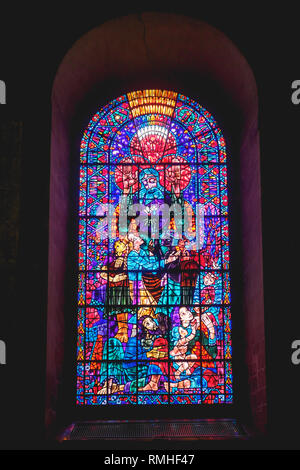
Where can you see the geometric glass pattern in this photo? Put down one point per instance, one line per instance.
(154, 319)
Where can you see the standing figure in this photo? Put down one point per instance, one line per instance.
(117, 300)
(207, 297)
(171, 295)
(140, 261)
(189, 267)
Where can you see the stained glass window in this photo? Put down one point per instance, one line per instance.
(154, 321)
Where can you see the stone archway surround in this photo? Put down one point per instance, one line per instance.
(147, 45)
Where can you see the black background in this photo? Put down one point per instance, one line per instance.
(33, 41)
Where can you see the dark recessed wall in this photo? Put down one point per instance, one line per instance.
(171, 52)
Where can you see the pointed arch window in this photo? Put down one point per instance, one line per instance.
(154, 321)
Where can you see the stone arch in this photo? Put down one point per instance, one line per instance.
(165, 50)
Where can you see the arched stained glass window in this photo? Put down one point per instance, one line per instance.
(154, 323)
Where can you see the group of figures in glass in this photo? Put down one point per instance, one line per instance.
(154, 318)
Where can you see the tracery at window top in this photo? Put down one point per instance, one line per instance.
(154, 323)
